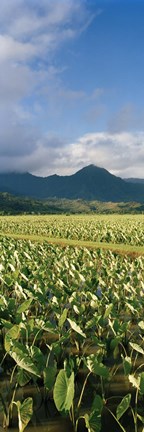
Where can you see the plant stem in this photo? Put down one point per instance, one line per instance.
(136, 406)
(83, 388)
(123, 429)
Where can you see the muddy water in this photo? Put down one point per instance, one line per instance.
(63, 425)
(60, 425)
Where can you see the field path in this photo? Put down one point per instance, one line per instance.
(115, 247)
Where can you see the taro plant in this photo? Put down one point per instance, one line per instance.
(25, 411)
(64, 392)
(68, 399)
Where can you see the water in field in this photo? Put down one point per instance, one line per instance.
(52, 426)
(63, 425)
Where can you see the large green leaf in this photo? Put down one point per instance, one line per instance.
(23, 377)
(142, 382)
(97, 404)
(141, 325)
(93, 422)
(75, 327)
(25, 412)
(123, 406)
(108, 310)
(23, 360)
(64, 391)
(49, 374)
(11, 335)
(97, 367)
(38, 357)
(24, 306)
(62, 318)
(137, 348)
(134, 381)
(127, 364)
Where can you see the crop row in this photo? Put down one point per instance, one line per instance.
(70, 319)
(110, 229)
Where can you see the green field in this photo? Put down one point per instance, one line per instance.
(72, 322)
(119, 232)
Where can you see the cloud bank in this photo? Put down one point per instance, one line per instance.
(33, 95)
(121, 153)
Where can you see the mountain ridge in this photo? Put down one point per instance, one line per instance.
(90, 182)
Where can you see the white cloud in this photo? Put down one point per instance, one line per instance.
(11, 49)
(30, 33)
(32, 21)
(122, 154)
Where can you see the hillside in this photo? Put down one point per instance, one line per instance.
(13, 205)
(135, 180)
(89, 183)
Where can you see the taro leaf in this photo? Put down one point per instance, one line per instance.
(133, 311)
(137, 347)
(7, 324)
(24, 306)
(49, 327)
(141, 325)
(116, 352)
(25, 412)
(93, 422)
(23, 377)
(97, 404)
(8, 280)
(114, 342)
(116, 325)
(127, 364)
(23, 360)
(75, 327)
(134, 381)
(108, 310)
(123, 406)
(38, 357)
(141, 419)
(11, 305)
(64, 391)
(69, 365)
(11, 335)
(142, 382)
(49, 374)
(97, 367)
(76, 309)
(62, 318)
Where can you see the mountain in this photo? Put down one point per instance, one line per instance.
(89, 183)
(134, 180)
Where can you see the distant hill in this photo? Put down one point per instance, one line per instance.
(135, 180)
(89, 183)
(10, 204)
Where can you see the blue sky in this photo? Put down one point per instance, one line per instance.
(72, 86)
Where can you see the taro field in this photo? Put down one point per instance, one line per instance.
(72, 323)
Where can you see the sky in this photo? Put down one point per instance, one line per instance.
(72, 86)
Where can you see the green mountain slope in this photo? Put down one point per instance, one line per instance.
(89, 183)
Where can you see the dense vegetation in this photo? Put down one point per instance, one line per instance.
(71, 325)
(126, 229)
(10, 204)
